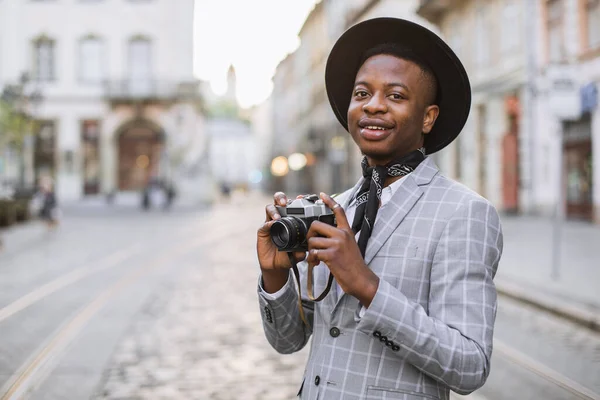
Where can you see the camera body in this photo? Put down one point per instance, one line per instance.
(289, 232)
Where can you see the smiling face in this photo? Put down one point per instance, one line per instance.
(390, 110)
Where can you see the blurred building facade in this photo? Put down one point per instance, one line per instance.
(532, 139)
(120, 104)
(491, 155)
(534, 124)
(302, 118)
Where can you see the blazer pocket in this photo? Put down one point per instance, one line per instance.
(393, 251)
(381, 392)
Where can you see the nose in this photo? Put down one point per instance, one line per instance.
(376, 104)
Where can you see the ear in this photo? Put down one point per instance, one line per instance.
(431, 114)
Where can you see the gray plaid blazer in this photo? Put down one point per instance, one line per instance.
(436, 248)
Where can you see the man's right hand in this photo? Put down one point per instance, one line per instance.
(274, 264)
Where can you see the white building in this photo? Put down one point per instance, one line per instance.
(120, 99)
(233, 155)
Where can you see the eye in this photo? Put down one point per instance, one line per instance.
(397, 96)
(360, 93)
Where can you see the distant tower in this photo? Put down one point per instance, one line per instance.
(231, 85)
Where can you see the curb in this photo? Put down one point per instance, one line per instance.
(577, 313)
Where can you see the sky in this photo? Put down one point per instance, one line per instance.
(252, 35)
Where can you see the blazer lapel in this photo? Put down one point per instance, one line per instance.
(390, 216)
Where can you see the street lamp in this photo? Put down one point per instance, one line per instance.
(297, 161)
(279, 166)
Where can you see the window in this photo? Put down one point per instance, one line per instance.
(510, 26)
(91, 66)
(554, 27)
(455, 35)
(140, 64)
(592, 12)
(43, 59)
(482, 42)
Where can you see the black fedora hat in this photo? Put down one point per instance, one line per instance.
(454, 90)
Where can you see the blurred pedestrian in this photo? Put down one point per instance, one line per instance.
(49, 211)
(225, 190)
(412, 257)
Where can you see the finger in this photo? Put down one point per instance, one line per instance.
(280, 199)
(338, 211)
(312, 258)
(320, 243)
(317, 256)
(318, 228)
(265, 229)
(299, 256)
(272, 213)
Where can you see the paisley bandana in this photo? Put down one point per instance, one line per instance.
(369, 194)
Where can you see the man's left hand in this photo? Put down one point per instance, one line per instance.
(337, 247)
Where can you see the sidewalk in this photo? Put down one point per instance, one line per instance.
(525, 270)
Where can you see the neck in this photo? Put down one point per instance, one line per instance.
(381, 161)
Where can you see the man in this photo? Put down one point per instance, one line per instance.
(413, 254)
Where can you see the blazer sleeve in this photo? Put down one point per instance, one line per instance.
(283, 326)
(452, 341)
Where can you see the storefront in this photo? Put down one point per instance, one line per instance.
(578, 159)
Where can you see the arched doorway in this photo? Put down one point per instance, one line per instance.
(140, 145)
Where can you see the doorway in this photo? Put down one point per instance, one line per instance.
(140, 148)
(578, 168)
(510, 157)
(90, 134)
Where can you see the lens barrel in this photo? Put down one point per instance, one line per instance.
(288, 233)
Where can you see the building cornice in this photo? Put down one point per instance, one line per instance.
(316, 10)
(355, 15)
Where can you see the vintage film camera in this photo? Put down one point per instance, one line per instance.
(289, 232)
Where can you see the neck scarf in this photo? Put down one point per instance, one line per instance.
(369, 194)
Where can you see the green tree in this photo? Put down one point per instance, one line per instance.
(16, 119)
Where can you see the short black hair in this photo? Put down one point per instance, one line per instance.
(396, 50)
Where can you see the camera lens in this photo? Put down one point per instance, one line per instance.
(288, 233)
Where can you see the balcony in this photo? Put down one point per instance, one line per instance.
(125, 90)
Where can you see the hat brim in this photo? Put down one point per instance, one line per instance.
(454, 90)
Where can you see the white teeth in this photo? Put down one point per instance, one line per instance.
(376, 128)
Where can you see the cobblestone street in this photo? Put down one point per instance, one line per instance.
(202, 338)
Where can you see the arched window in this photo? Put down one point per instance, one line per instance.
(91, 59)
(44, 59)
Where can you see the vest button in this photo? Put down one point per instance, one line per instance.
(334, 332)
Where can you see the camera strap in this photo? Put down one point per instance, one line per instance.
(309, 288)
